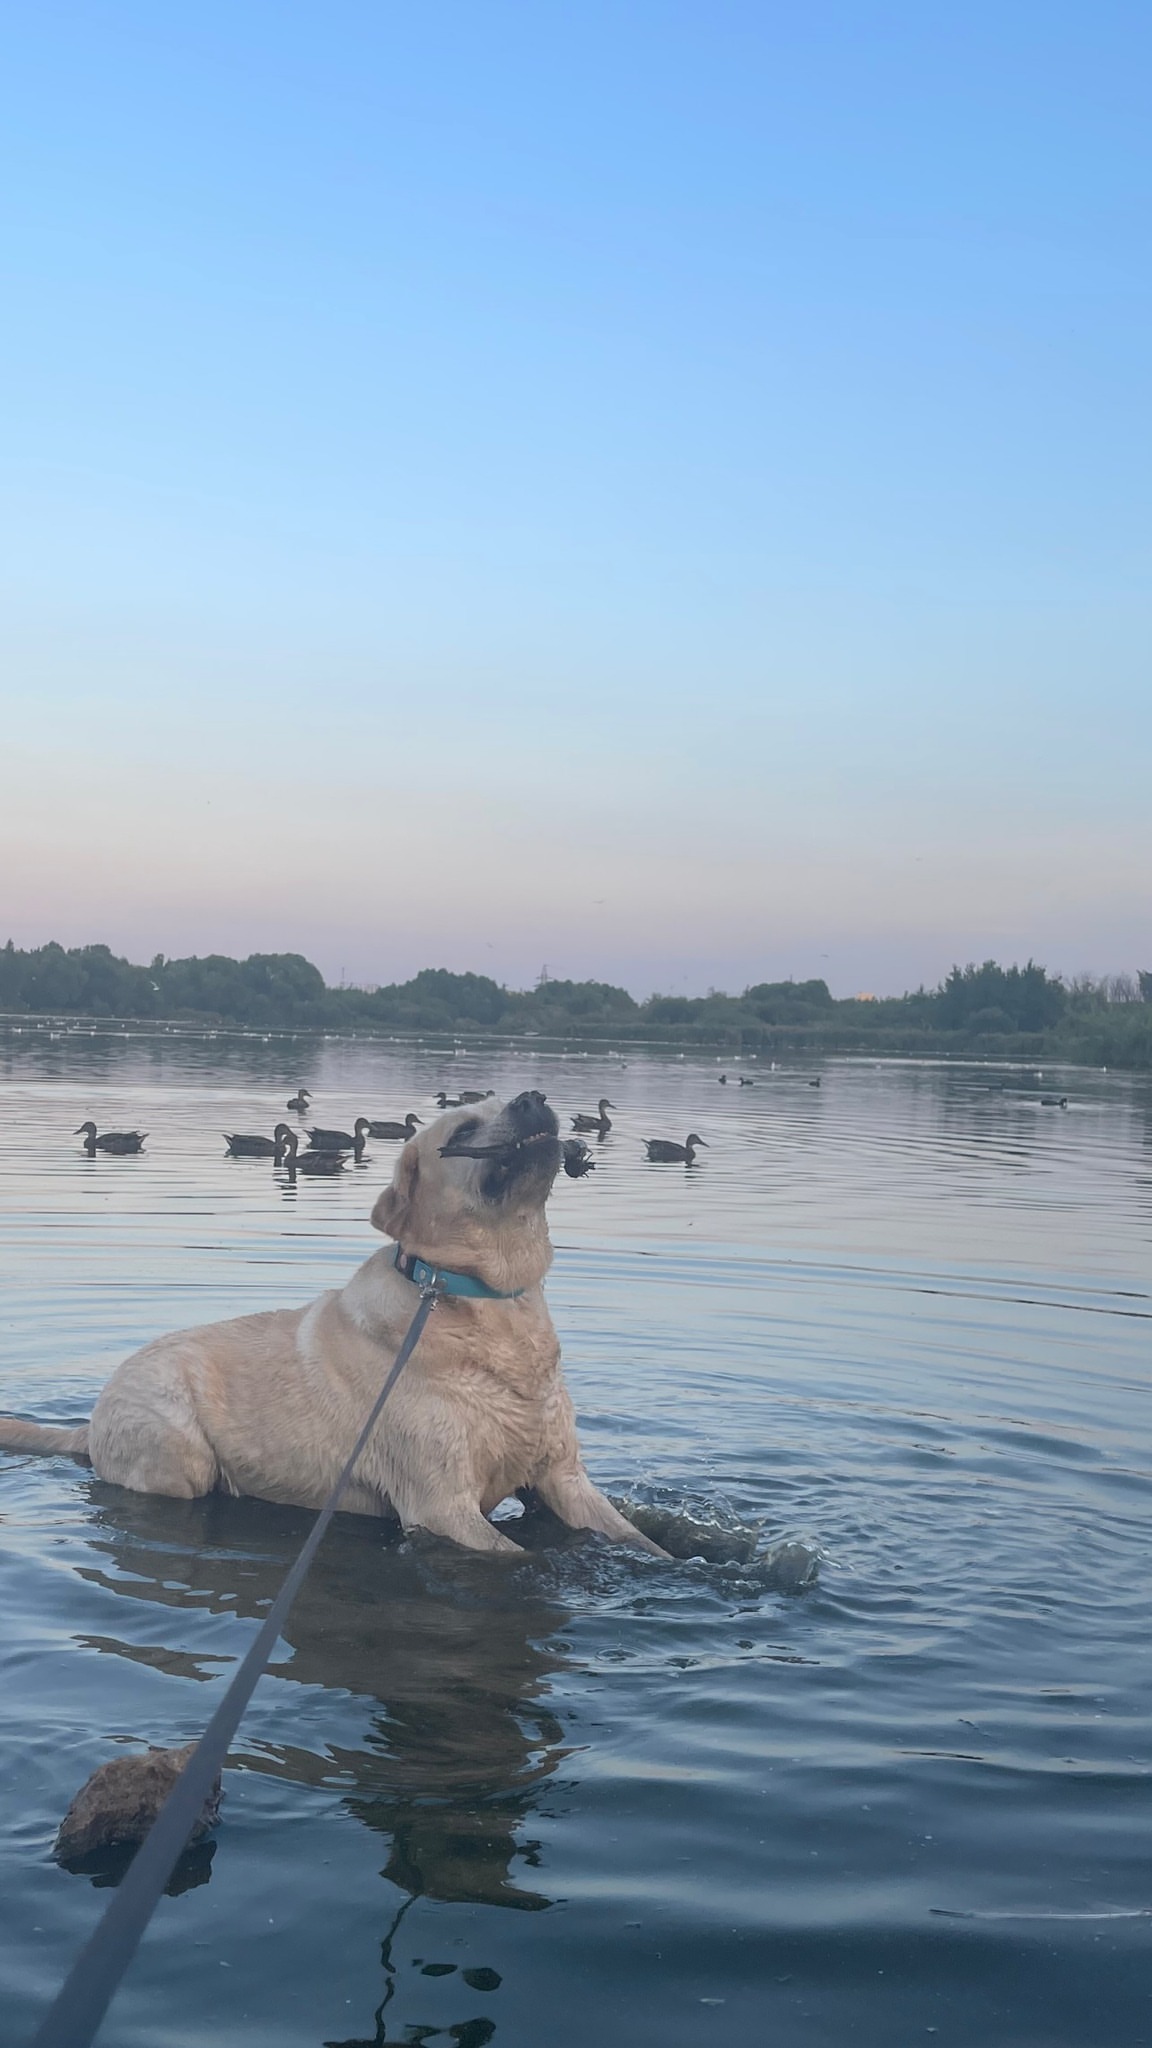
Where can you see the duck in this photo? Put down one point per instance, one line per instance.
(241, 1145)
(449, 1101)
(299, 1101)
(1054, 1101)
(341, 1141)
(723, 1080)
(663, 1148)
(815, 1083)
(746, 1081)
(314, 1163)
(113, 1141)
(405, 1130)
(602, 1122)
(475, 1094)
(577, 1158)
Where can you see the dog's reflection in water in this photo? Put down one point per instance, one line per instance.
(450, 1649)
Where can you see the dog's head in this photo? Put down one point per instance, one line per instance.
(468, 1192)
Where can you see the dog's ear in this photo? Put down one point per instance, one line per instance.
(394, 1205)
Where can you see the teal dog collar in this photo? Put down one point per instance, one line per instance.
(438, 1278)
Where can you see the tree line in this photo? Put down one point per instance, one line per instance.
(990, 1009)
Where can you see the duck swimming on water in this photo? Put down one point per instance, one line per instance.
(405, 1130)
(663, 1148)
(120, 1142)
(299, 1101)
(341, 1141)
(243, 1146)
(313, 1163)
(602, 1122)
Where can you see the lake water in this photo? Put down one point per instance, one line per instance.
(586, 1797)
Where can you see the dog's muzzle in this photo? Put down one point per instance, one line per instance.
(531, 1119)
(522, 1144)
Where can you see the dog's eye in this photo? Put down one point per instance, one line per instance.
(466, 1130)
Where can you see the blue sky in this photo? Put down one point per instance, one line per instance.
(658, 490)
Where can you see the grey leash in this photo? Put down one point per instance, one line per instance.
(83, 1999)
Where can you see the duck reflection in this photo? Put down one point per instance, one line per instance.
(451, 1651)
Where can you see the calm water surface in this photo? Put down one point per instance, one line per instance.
(587, 1797)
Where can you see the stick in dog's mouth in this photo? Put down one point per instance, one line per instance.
(507, 1147)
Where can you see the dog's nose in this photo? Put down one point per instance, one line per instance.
(530, 1099)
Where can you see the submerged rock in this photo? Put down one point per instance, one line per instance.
(120, 1801)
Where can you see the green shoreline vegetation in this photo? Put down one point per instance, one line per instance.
(984, 1011)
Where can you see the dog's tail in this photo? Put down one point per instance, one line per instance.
(40, 1436)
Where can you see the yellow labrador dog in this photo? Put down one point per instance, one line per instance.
(270, 1405)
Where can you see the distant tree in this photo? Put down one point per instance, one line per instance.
(668, 1009)
(442, 1000)
(11, 977)
(589, 1002)
(1144, 981)
(1026, 996)
(790, 1002)
(54, 980)
(283, 978)
(267, 988)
